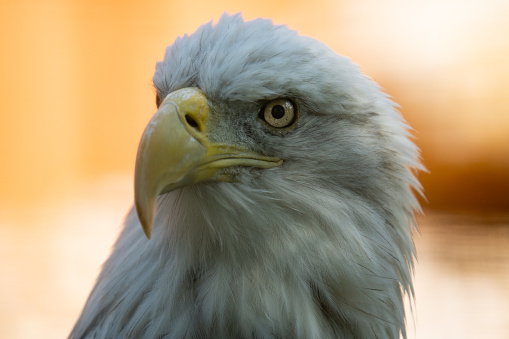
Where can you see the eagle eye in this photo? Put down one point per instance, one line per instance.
(279, 113)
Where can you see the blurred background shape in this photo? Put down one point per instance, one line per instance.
(75, 95)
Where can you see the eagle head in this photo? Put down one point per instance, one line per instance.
(275, 182)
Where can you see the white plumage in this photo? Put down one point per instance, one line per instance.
(316, 246)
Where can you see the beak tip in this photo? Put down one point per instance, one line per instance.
(147, 228)
(147, 233)
(146, 219)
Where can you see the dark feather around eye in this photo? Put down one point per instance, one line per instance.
(158, 100)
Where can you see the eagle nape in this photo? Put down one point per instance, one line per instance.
(276, 186)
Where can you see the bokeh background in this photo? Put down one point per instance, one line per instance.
(75, 95)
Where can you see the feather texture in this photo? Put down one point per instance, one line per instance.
(319, 247)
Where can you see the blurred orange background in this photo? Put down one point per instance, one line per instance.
(76, 94)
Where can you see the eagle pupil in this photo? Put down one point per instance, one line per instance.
(278, 112)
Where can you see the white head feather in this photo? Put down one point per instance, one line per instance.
(318, 247)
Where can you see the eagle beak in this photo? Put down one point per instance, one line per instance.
(175, 151)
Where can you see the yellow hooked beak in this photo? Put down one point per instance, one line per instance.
(175, 151)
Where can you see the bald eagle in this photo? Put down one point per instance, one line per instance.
(275, 184)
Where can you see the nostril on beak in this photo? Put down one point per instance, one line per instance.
(192, 122)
